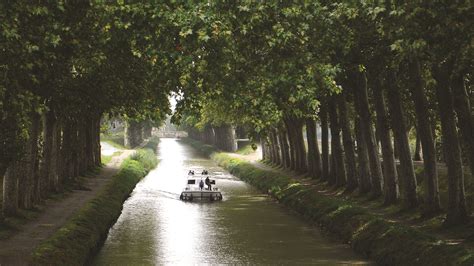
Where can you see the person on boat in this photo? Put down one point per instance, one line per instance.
(201, 184)
(191, 172)
(204, 172)
(208, 183)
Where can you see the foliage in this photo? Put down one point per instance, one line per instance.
(152, 144)
(105, 159)
(206, 150)
(246, 150)
(146, 157)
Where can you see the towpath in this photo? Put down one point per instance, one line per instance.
(16, 250)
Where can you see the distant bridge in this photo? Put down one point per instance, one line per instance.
(170, 134)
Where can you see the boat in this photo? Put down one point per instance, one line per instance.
(194, 192)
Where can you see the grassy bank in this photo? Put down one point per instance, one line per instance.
(115, 140)
(83, 235)
(384, 242)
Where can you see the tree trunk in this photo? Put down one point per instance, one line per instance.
(225, 138)
(391, 190)
(314, 158)
(300, 147)
(285, 149)
(82, 148)
(368, 133)
(68, 141)
(264, 149)
(365, 182)
(337, 152)
(317, 153)
(323, 115)
(49, 157)
(348, 144)
(74, 151)
(425, 136)
(147, 129)
(133, 134)
(60, 159)
(98, 151)
(417, 155)
(457, 210)
(276, 147)
(209, 135)
(10, 189)
(271, 148)
(407, 172)
(26, 182)
(89, 143)
(396, 153)
(463, 110)
(292, 143)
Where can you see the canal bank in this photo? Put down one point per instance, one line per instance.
(386, 243)
(82, 236)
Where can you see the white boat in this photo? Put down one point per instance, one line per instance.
(194, 192)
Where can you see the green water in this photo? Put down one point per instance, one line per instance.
(247, 227)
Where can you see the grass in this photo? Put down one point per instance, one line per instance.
(246, 150)
(83, 235)
(384, 241)
(152, 144)
(204, 149)
(105, 159)
(115, 140)
(11, 225)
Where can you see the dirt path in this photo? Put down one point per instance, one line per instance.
(17, 249)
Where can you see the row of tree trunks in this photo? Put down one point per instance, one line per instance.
(323, 116)
(348, 143)
(391, 190)
(365, 180)
(69, 148)
(417, 154)
(291, 141)
(265, 152)
(425, 136)
(407, 173)
(457, 210)
(463, 109)
(361, 97)
(147, 129)
(50, 156)
(294, 128)
(209, 135)
(285, 148)
(275, 147)
(225, 138)
(338, 175)
(26, 184)
(133, 133)
(10, 189)
(314, 156)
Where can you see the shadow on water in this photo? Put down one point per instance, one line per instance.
(246, 228)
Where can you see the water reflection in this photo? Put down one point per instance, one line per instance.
(245, 228)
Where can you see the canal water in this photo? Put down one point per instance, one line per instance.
(247, 227)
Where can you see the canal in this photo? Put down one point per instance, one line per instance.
(247, 227)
